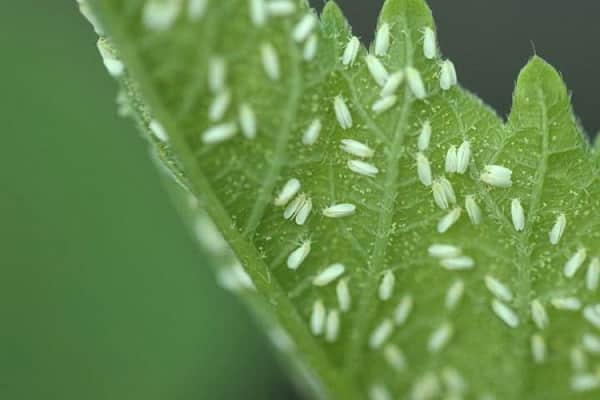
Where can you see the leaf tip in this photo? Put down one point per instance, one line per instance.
(332, 12)
(538, 72)
(539, 79)
(332, 16)
(537, 66)
(414, 8)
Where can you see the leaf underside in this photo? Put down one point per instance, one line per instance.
(388, 237)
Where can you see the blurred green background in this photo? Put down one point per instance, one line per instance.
(103, 294)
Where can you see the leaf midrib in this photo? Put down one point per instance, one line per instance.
(524, 276)
(354, 352)
(281, 144)
(191, 91)
(523, 288)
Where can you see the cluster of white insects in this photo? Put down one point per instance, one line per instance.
(260, 11)
(297, 206)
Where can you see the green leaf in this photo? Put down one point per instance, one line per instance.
(508, 336)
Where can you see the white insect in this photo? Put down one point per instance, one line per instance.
(381, 333)
(342, 113)
(158, 131)
(217, 72)
(351, 51)
(384, 104)
(440, 338)
(258, 12)
(392, 84)
(497, 288)
(329, 274)
(208, 234)
(454, 382)
(578, 359)
(382, 40)
(505, 313)
(591, 343)
(585, 382)
(196, 9)
(415, 83)
(160, 15)
(447, 75)
(403, 309)
(247, 121)
(454, 294)
(456, 385)
(317, 318)
(332, 326)
(449, 220)
(424, 169)
(448, 190)
(270, 61)
(592, 277)
(311, 134)
(451, 160)
(426, 387)
(443, 250)
(219, 133)
(497, 175)
(235, 278)
(539, 314)
(280, 8)
(566, 303)
(363, 168)
(538, 348)
(473, 210)
(289, 190)
(297, 257)
(304, 28)
(463, 157)
(356, 148)
(379, 392)
(377, 70)
(592, 315)
(310, 47)
(424, 136)
(439, 195)
(395, 357)
(460, 263)
(386, 286)
(558, 229)
(339, 210)
(343, 295)
(113, 65)
(294, 207)
(518, 214)
(219, 106)
(429, 43)
(304, 211)
(575, 262)
(281, 340)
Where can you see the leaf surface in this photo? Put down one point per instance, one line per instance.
(505, 337)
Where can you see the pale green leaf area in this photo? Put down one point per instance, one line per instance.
(457, 348)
